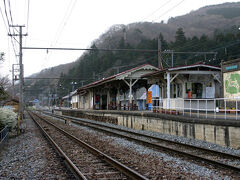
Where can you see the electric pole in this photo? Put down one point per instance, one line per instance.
(172, 59)
(21, 69)
(15, 77)
(159, 54)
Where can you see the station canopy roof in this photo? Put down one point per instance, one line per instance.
(70, 95)
(134, 73)
(185, 69)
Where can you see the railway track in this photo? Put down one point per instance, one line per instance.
(85, 161)
(216, 158)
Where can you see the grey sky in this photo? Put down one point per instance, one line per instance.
(76, 23)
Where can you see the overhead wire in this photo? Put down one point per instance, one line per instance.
(28, 11)
(64, 21)
(4, 20)
(169, 10)
(156, 10)
(61, 26)
(8, 28)
(217, 48)
(10, 11)
(5, 24)
(27, 20)
(5, 8)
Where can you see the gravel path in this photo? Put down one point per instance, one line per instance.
(29, 156)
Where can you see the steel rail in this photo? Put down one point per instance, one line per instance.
(78, 174)
(150, 144)
(148, 136)
(121, 167)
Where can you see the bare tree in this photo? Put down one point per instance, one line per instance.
(4, 83)
(2, 56)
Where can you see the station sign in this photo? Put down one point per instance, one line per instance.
(230, 66)
(231, 84)
(231, 78)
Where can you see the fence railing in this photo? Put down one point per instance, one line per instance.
(205, 108)
(3, 134)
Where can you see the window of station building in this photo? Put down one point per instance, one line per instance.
(188, 87)
(209, 84)
(197, 90)
(177, 90)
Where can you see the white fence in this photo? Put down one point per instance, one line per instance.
(225, 108)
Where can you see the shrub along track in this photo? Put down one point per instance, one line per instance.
(223, 161)
(85, 161)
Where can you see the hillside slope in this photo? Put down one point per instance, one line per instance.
(207, 20)
(203, 21)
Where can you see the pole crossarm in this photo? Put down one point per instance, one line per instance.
(17, 34)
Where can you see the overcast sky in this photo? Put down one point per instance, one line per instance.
(75, 24)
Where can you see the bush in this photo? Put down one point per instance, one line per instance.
(7, 117)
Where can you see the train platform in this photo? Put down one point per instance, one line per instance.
(187, 117)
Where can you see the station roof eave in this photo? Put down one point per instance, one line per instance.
(231, 61)
(134, 73)
(70, 94)
(182, 68)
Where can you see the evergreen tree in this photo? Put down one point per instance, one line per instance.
(180, 38)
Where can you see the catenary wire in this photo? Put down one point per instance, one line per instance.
(60, 29)
(28, 11)
(156, 10)
(4, 19)
(10, 11)
(169, 10)
(8, 27)
(27, 20)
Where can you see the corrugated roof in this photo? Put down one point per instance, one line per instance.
(113, 77)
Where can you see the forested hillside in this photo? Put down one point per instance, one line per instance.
(98, 64)
(212, 28)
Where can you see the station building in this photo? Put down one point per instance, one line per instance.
(171, 89)
(121, 91)
(180, 86)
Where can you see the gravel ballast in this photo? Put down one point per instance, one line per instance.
(29, 156)
(180, 139)
(150, 163)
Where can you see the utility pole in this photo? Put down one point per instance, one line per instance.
(159, 54)
(13, 91)
(15, 77)
(21, 69)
